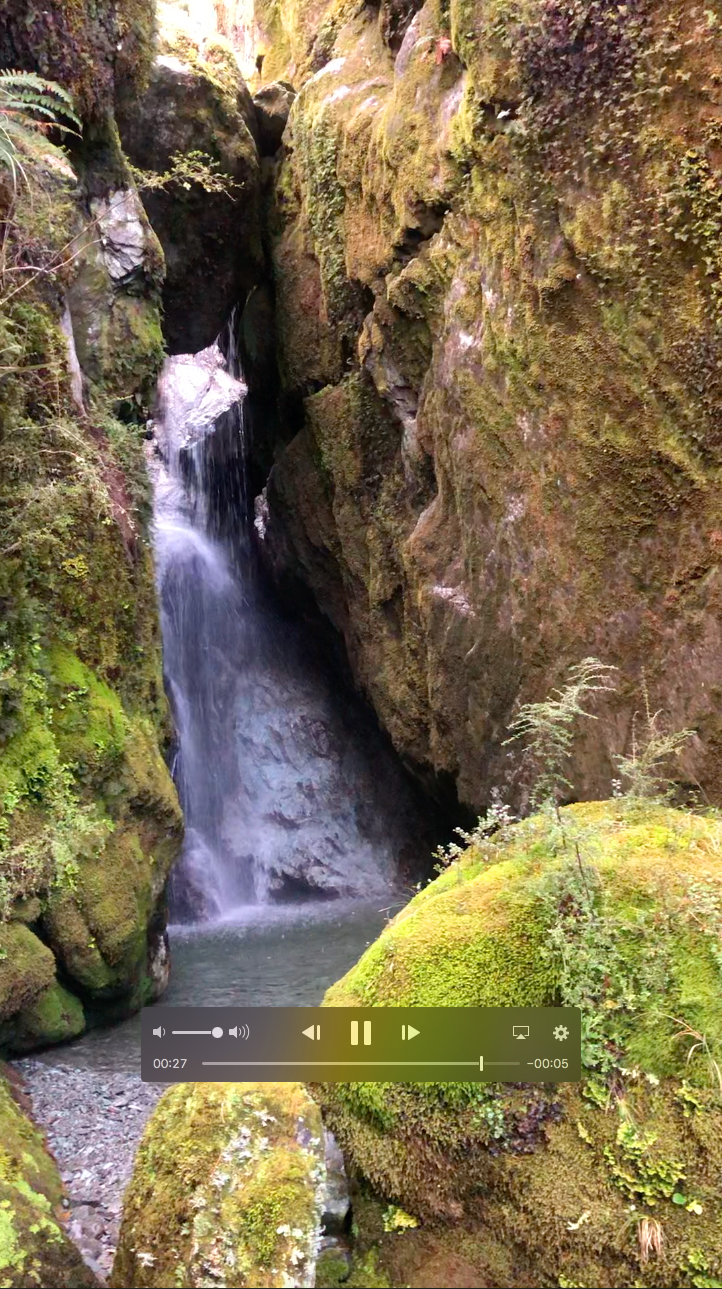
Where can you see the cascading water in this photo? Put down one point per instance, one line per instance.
(284, 794)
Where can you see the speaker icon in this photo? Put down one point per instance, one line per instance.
(240, 1031)
(159, 1032)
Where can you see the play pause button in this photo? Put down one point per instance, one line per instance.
(313, 1031)
(408, 1031)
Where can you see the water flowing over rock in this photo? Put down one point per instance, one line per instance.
(288, 791)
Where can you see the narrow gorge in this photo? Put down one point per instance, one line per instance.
(360, 483)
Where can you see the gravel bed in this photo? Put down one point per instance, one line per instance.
(93, 1121)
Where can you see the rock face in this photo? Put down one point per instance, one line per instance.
(197, 102)
(497, 271)
(272, 104)
(90, 821)
(34, 1248)
(601, 909)
(228, 1186)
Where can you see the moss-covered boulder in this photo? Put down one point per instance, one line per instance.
(613, 1181)
(227, 1188)
(34, 1249)
(34, 1008)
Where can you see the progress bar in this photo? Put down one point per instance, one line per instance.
(474, 1065)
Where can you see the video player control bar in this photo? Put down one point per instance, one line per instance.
(345, 1044)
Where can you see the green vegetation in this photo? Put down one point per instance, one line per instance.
(89, 822)
(548, 728)
(29, 107)
(34, 1248)
(612, 907)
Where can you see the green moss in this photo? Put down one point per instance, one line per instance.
(568, 395)
(34, 1248)
(89, 724)
(27, 968)
(81, 697)
(54, 1016)
(97, 51)
(509, 923)
(226, 1177)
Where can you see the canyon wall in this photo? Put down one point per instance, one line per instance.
(89, 819)
(495, 232)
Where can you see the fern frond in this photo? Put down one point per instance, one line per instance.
(27, 91)
(30, 106)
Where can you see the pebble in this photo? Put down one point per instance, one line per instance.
(93, 1122)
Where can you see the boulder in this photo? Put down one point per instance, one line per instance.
(611, 1181)
(228, 1187)
(273, 104)
(197, 102)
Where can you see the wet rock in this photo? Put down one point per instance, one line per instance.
(272, 104)
(336, 1199)
(194, 390)
(197, 101)
(123, 232)
(506, 486)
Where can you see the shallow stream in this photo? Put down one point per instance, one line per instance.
(269, 955)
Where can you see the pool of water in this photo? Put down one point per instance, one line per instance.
(265, 956)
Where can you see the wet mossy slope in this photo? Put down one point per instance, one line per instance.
(497, 249)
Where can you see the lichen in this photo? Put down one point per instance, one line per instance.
(226, 1182)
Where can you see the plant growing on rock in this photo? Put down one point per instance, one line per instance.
(646, 765)
(186, 169)
(549, 727)
(30, 107)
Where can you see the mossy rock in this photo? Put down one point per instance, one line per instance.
(552, 232)
(227, 1184)
(98, 928)
(34, 1249)
(54, 1016)
(96, 813)
(571, 1178)
(88, 813)
(27, 967)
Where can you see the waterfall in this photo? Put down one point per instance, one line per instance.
(285, 792)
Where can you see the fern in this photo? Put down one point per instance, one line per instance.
(30, 106)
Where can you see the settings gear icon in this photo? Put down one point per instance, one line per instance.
(560, 1033)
